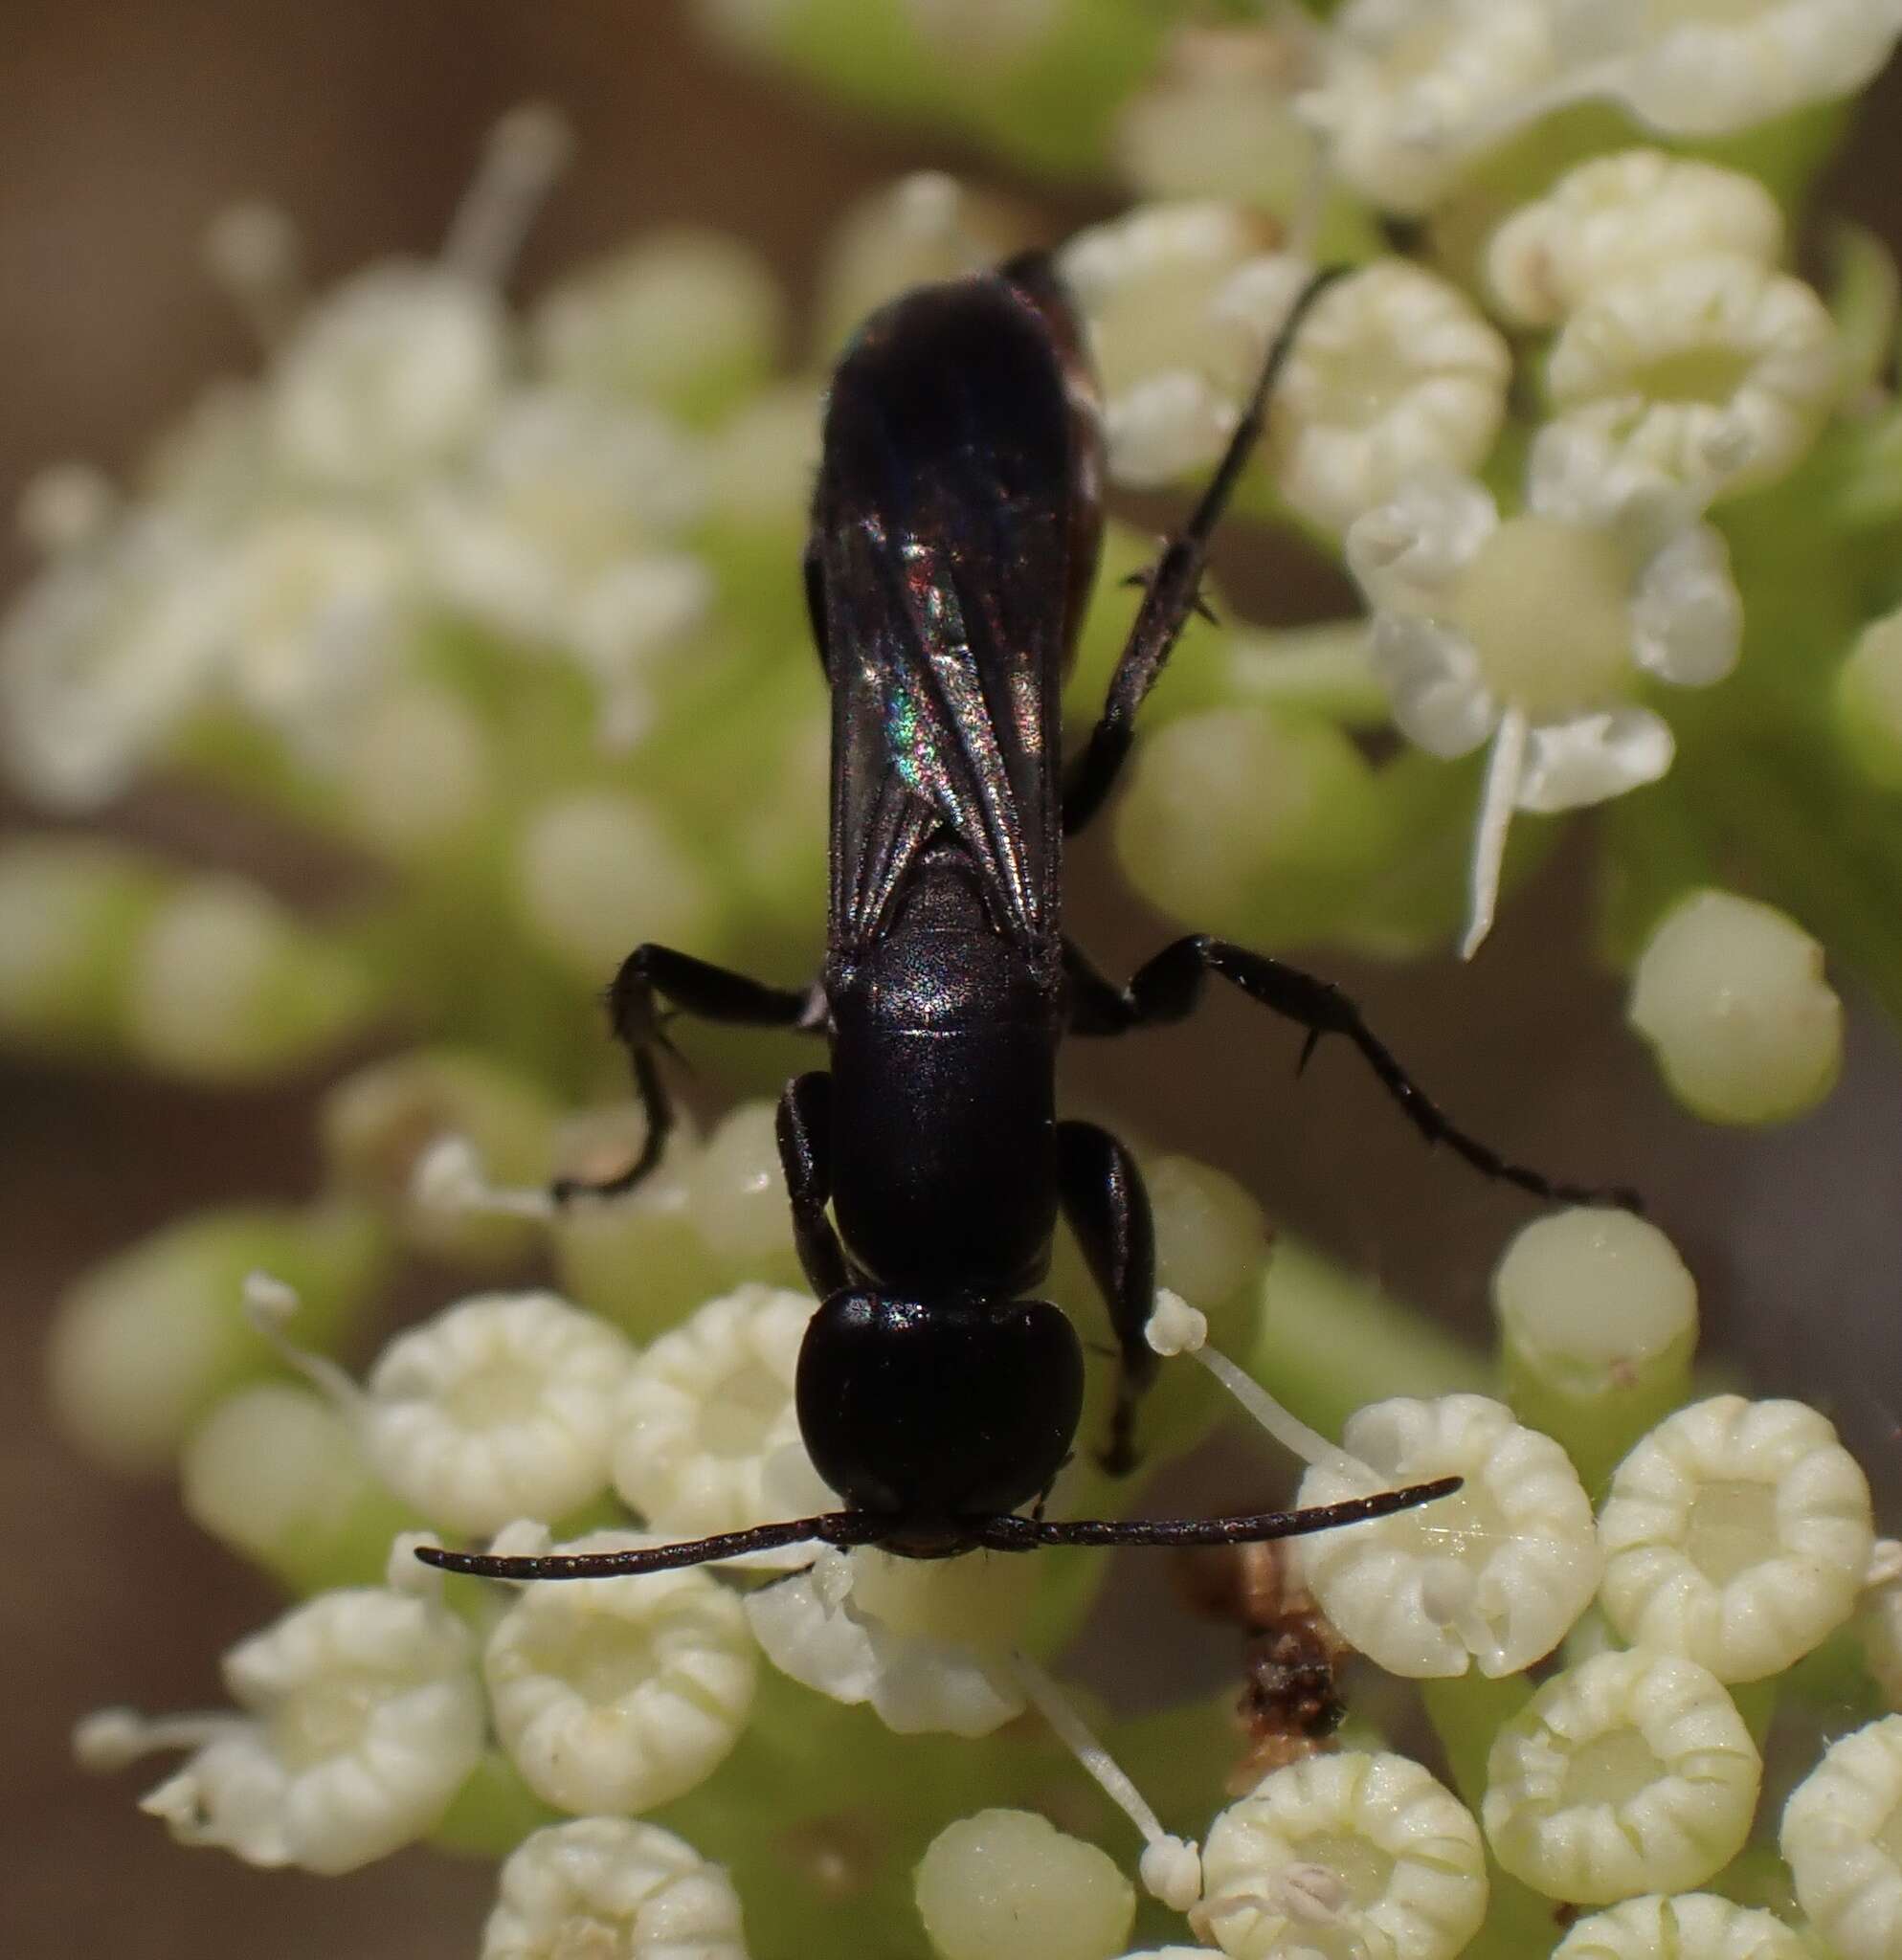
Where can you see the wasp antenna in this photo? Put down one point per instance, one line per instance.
(833, 1527)
(1024, 1535)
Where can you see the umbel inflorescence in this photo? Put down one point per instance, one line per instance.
(501, 602)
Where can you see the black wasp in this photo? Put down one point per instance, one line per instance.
(956, 531)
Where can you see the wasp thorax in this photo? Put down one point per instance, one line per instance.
(960, 1409)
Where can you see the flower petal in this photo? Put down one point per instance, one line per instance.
(1687, 619)
(1432, 674)
(1407, 551)
(1572, 764)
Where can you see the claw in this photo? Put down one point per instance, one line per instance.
(659, 1036)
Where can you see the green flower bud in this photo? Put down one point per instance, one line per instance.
(228, 985)
(71, 912)
(1259, 827)
(1009, 1885)
(144, 1346)
(278, 1474)
(1731, 995)
(1599, 1319)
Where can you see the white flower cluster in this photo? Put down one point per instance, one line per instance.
(1394, 371)
(1416, 94)
(409, 459)
(1735, 1538)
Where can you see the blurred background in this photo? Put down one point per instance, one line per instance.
(124, 124)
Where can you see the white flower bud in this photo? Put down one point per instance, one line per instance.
(1868, 701)
(1181, 300)
(705, 1408)
(597, 871)
(1736, 1533)
(1693, 1925)
(367, 1716)
(564, 491)
(1632, 1773)
(927, 226)
(1880, 1624)
(921, 1641)
(1009, 1885)
(1715, 371)
(1416, 90)
(736, 1193)
(683, 318)
(618, 1695)
(1394, 375)
(1692, 70)
(500, 1408)
(615, 1889)
(415, 766)
(105, 656)
(1219, 119)
(1839, 1838)
(762, 461)
(1495, 1573)
(1621, 214)
(316, 600)
(1352, 1853)
(393, 374)
(1732, 998)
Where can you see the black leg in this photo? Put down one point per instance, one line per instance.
(805, 1156)
(1169, 987)
(1173, 590)
(649, 975)
(1107, 1206)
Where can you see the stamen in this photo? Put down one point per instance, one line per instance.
(1172, 1329)
(270, 1306)
(526, 152)
(252, 252)
(1504, 770)
(109, 1739)
(449, 1177)
(1172, 1867)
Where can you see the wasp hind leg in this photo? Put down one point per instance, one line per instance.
(651, 976)
(1170, 986)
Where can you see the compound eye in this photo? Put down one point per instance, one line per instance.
(942, 1411)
